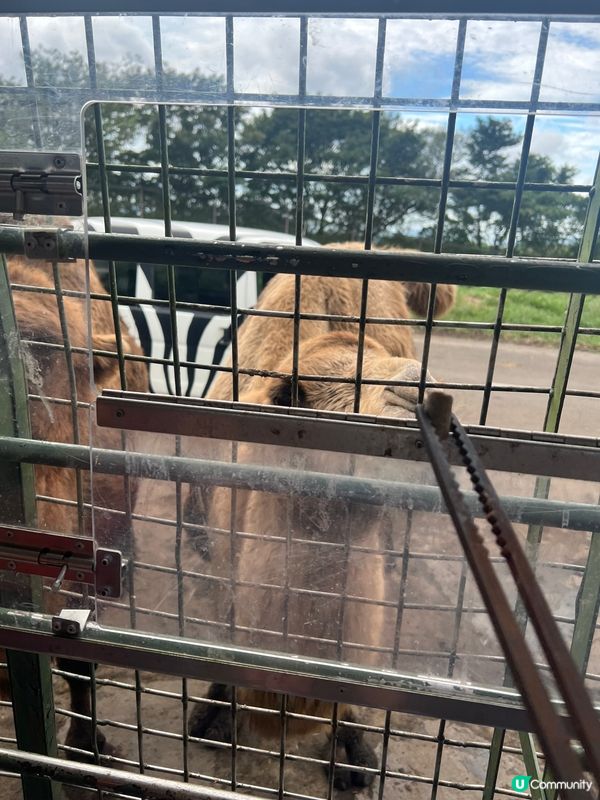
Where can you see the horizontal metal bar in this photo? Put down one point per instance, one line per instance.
(110, 779)
(312, 177)
(562, 276)
(557, 514)
(263, 670)
(501, 9)
(361, 435)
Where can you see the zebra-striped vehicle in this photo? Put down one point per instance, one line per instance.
(203, 335)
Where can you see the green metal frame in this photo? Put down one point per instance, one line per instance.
(29, 674)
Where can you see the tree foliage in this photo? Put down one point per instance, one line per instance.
(336, 166)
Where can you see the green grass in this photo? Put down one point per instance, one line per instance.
(476, 304)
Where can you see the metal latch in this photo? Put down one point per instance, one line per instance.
(61, 557)
(40, 183)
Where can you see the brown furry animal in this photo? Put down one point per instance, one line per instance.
(43, 356)
(313, 622)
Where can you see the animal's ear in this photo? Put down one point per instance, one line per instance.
(281, 394)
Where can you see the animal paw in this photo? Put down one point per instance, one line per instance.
(212, 722)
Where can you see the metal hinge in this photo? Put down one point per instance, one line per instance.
(40, 183)
(61, 557)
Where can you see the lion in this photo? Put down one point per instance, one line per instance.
(43, 355)
(311, 620)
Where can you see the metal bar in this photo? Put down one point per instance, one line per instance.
(563, 668)
(493, 766)
(113, 780)
(550, 729)
(514, 220)
(578, 516)
(381, 180)
(368, 238)
(30, 78)
(426, 267)
(29, 673)
(375, 436)
(299, 676)
(444, 186)
(82, 96)
(532, 764)
(574, 311)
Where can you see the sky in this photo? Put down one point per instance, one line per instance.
(498, 66)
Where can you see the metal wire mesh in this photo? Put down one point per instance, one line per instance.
(146, 713)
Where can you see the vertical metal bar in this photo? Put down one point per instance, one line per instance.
(516, 209)
(282, 745)
(532, 764)
(445, 183)
(105, 195)
(172, 296)
(574, 310)
(332, 751)
(29, 674)
(384, 754)
(137, 676)
(233, 278)
(30, 78)
(587, 607)
(405, 561)
(300, 157)
(72, 387)
(493, 766)
(229, 57)
(372, 186)
(451, 665)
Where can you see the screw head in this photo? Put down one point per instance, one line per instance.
(59, 162)
(72, 628)
(80, 576)
(11, 565)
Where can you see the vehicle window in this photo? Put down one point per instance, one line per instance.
(194, 285)
(125, 276)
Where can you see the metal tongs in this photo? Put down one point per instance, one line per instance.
(441, 429)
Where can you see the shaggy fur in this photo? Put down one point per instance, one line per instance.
(327, 348)
(43, 356)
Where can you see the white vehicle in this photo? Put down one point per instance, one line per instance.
(203, 336)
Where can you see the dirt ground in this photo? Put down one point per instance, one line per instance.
(413, 746)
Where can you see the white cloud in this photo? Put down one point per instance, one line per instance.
(414, 49)
(341, 56)
(569, 140)
(266, 55)
(124, 38)
(499, 60)
(194, 43)
(572, 67)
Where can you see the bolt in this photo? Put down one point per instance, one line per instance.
(105, 592)
(72, 628)
(56, 626)
(59, 162)
(10, 534)
(11, 565)
(418, 444)
(105, 561)
(61, 206)
(79, 545)
(80, 576)
(120, 412)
